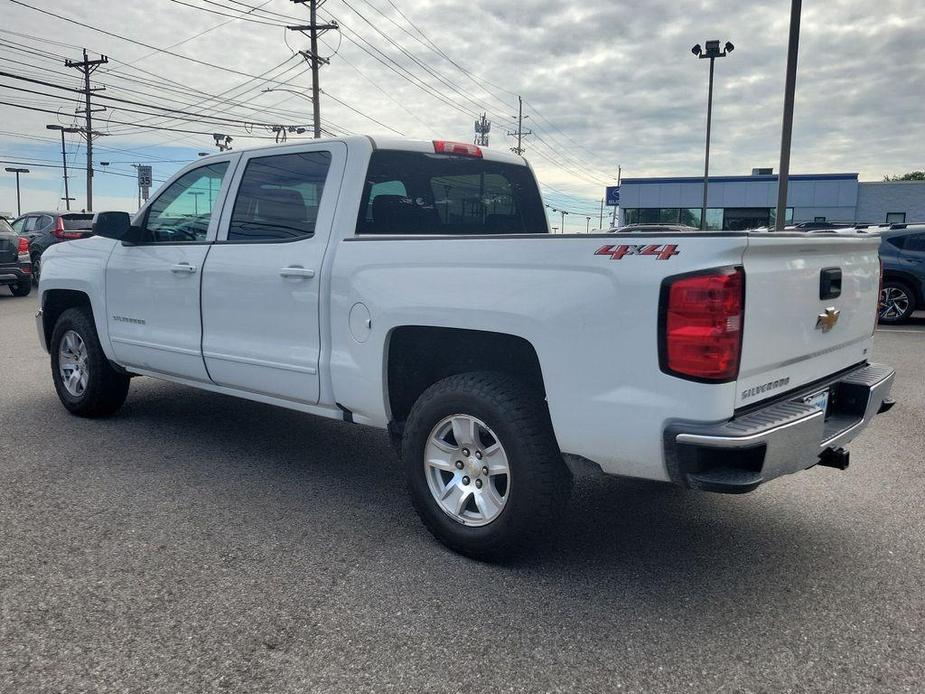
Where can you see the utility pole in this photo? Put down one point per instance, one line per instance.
(311, 56)
(519, 150)
(88, 67)
(67, 195)
(619, 181)
(482, 128)
(600, 224)
(783, 174)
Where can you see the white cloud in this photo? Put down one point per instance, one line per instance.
(615, 77)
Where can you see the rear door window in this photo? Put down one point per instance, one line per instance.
(423, 193)
(279, 197)
(77, 222)
(915, 244)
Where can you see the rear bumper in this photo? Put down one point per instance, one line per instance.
(14, 274)
(787, 436)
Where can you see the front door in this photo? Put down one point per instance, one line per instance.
(152, 288)
(260, 286)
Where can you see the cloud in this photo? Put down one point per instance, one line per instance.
(605, 82)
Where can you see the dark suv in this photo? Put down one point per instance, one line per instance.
(902, 249)
(44, 229)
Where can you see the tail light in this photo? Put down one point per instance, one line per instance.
(23, 251)
(62, 233)
(700, 325)
(461, 148)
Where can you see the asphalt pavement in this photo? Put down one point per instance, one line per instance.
(199, 543)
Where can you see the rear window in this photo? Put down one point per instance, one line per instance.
(422, 193)
(77, 221)
(5, 227)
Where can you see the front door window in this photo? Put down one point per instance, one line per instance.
(181, 214)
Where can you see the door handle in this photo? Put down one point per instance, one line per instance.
(183, 267)
(297, 272)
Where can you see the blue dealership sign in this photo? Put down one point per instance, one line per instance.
(613, 196)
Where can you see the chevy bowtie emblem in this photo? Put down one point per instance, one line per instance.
(826, 320)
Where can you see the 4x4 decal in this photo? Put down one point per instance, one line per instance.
(617, 252)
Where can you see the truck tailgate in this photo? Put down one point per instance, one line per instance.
(792, 335)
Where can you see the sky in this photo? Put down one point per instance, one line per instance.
(605, 84)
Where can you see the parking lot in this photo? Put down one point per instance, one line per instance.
(200, 543)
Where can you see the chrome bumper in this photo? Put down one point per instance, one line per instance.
(784, 437)
(40, 328)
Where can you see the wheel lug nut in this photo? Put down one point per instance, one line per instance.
(459, 465)
(478, 454)
(478, 483)
(485, 470)
(466, 480)
(465, 451)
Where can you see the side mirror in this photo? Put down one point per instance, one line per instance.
(111, 225)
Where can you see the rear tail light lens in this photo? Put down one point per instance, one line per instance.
(62, 233)
(460, 148)
(23, 252)
(701, 319)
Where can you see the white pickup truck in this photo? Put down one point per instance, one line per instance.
(415, 286)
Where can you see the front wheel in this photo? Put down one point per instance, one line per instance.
(897, 302)
(482, 464)
(86, 382)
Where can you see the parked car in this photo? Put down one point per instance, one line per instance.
(44, 229)
(15, 266)
(415, 287)
(902, 250)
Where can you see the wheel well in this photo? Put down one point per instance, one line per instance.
(419, 356)
(911, 281)
(57, 301)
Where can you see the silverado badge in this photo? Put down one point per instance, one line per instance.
(826, 320)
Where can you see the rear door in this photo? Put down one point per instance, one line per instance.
(152, 288)
(810, 305)
(260, 286)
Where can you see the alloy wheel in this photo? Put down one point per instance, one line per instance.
(467, 470)
(894, 303)
(72, 363)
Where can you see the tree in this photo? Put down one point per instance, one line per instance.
(911, 176)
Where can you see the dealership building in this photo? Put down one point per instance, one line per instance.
(745, 202)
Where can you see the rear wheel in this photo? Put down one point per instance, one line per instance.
(897, 302)
(21, 288)
(86, 382)
(482, 464)
(36, 267)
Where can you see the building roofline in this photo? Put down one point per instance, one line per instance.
(741, 179)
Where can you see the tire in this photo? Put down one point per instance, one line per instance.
(22, 288)
(897, 302)
(36, 268)
(102, 390)
(506, 512)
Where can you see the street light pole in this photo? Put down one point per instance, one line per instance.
(783, 174)
(712, 52)
(67, 195)
(17, 172)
